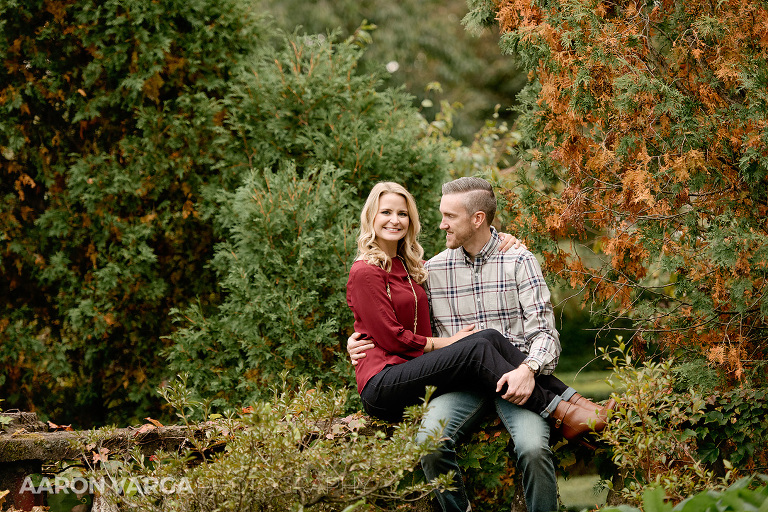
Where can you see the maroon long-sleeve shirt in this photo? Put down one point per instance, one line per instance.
(388, 322)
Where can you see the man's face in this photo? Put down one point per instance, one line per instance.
(457, 222)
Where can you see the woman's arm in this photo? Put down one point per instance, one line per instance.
(367, 295)
(434, 343)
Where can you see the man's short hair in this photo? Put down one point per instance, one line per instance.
(479, 196)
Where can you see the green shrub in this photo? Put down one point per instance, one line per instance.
(743, 495)
(681, 441)
(283, 270)
(489, 472)
(295, 451)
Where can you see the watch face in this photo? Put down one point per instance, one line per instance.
(534, 366)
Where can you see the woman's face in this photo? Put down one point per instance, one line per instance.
(391, 222)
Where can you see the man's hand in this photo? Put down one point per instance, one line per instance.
(519, 384)
(510, 242)
(357, 347)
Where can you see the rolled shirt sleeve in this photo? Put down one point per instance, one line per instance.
(541, 337)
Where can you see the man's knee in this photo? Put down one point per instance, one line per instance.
(423, 435)
(533, 451)
(453, 414)
(440, 460)
(445, 448)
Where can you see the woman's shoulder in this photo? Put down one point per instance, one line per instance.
(362, 267)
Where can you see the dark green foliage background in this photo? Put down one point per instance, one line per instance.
(111, 129)
(126, 130)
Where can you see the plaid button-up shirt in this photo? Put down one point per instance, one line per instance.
(495, 290)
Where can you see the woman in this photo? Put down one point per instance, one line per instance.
(390, 307)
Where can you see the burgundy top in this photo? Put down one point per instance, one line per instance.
(391, 330)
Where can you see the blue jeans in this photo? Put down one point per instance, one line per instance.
(462, 411)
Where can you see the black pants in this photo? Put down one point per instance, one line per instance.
(474, 363)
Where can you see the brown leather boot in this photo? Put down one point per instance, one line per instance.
(589, 404)
(575, 420)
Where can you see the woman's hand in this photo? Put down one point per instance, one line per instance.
(463, 333)
(510, 242)
(444, 342)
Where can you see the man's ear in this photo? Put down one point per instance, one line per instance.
(478, 218)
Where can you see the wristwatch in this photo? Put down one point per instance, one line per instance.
(533, 365)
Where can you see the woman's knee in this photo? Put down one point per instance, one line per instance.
(493, 337)
(482, 348)
(503, 346)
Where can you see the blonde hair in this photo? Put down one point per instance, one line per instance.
(408, 248)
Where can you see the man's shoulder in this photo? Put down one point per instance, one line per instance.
(514, 261)
(442, 258)
(512, 255)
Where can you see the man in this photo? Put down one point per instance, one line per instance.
(472, 282)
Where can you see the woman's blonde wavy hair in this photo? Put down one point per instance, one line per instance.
(408, 248)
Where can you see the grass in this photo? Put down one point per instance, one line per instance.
(590, 384)
(578, 492)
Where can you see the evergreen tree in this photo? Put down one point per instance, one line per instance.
(419, 42)
(123, 125)
(112, 124)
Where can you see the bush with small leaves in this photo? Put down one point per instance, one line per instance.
(295, 451)
(674, 439)
(743, 495)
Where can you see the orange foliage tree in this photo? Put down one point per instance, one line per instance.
(645, 143)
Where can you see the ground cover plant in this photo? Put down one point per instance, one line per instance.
(296, 451)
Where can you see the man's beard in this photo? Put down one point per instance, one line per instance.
(456, 239)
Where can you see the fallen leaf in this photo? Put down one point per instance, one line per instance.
(101, 456)
(154, 422)
(66, 428)
(144, 429)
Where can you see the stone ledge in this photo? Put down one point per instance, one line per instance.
(26, 421)
(63, 445)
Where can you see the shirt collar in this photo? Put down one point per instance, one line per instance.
(488, 249)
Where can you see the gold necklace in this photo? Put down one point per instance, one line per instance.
(415, 298)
